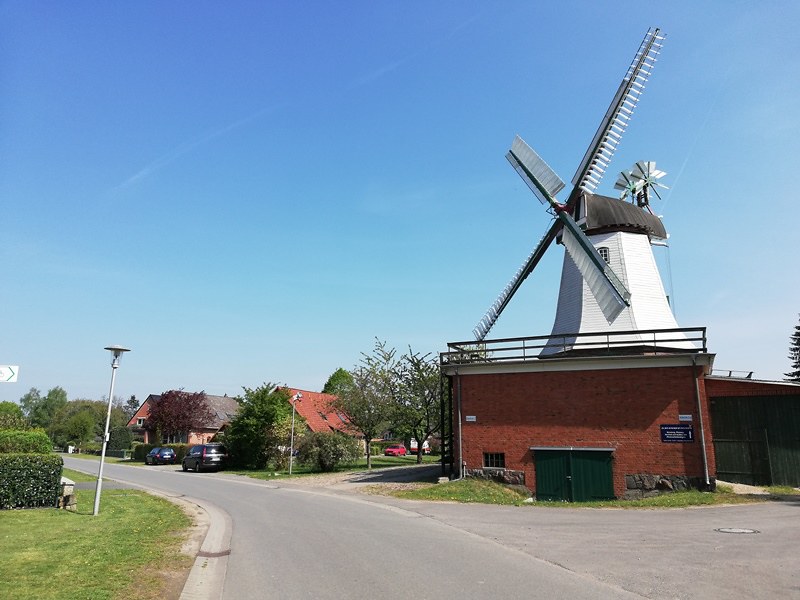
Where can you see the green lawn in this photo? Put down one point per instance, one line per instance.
(486, 492)
(299, 470)
(131, 549)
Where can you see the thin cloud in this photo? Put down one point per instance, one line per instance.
(187, 147)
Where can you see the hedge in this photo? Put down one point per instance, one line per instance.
(34, 441)
(141, 450)
(30, 480)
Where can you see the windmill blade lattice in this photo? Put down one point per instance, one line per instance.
(613, 125)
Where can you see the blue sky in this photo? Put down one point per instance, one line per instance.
(250, 192)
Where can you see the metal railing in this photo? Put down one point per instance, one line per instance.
(640, 341)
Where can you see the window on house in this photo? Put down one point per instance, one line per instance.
(603, 251)
(140, 422)
(175, 438)
(494, 460)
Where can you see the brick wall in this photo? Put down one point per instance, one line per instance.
(620, 409)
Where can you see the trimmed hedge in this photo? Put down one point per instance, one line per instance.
(30, 480)
(34, 441)
(141, 450)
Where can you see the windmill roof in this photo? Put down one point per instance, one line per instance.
(603, 213)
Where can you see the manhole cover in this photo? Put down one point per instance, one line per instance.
(736, 530)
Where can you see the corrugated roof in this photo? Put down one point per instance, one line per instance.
(610, 214)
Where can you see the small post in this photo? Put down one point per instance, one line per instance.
(295, 398)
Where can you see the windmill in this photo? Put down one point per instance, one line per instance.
(602, 236)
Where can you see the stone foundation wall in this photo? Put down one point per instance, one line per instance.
(644, 485)
(505, 476)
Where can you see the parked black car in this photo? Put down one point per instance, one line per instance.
(160, 456)
(205, 456)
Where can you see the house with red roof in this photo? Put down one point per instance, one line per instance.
(315, 408)
(223, 410)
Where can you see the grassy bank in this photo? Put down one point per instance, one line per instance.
(131, 549)
(378, 462)
(487, 492)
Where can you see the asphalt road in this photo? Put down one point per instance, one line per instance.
(292, 541)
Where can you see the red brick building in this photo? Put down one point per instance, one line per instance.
(583, 427)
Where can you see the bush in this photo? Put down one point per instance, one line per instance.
(30, 480)
(326, 451)
(120, 438)
(141, 450)
(34, 441)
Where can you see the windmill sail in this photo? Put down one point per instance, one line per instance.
(488, 320)
(536, 174)
(613, 125)
(609, 292)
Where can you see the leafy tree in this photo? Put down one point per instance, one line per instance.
(130, 407)
(367, 399)
(338, 379)
(120, 438)
(65, 422)
(259, 429)
(11, 416)
(794, 355)
(79, 428)
(326, 450)
(419, 397)
(177, 412)
(40, 410)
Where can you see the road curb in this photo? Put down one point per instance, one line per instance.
(207, 576)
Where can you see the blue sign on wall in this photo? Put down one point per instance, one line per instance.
(677, 433)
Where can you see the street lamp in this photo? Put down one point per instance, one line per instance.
(295, 398)
(116, 352)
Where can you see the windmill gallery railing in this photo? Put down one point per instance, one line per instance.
(618, 343)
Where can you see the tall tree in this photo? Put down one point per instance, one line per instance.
(337, 379)
(794, 355)
(80, 428)
(176, 413)
(130, 407)
(366, 400)
(261, 427)
(62, 424)
(419, 397)
(40, 409)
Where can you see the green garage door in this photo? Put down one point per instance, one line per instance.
(572, 475)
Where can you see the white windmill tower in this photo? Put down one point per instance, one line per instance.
(610, 281)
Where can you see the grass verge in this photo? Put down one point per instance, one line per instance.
(130, 549)
(487, 492)
(299, 470)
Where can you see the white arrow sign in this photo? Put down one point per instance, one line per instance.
(8, 373)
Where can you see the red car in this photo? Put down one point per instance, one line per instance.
(396, 450)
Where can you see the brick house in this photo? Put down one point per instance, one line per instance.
(577, 427)
(315, 408)
(223, 409)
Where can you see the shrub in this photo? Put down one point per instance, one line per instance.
(120, 438)
(326, 451)
(30, 480)
(141, 450)
(34, 441)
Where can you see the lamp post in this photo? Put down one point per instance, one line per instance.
(295, 398)
(116, 352)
